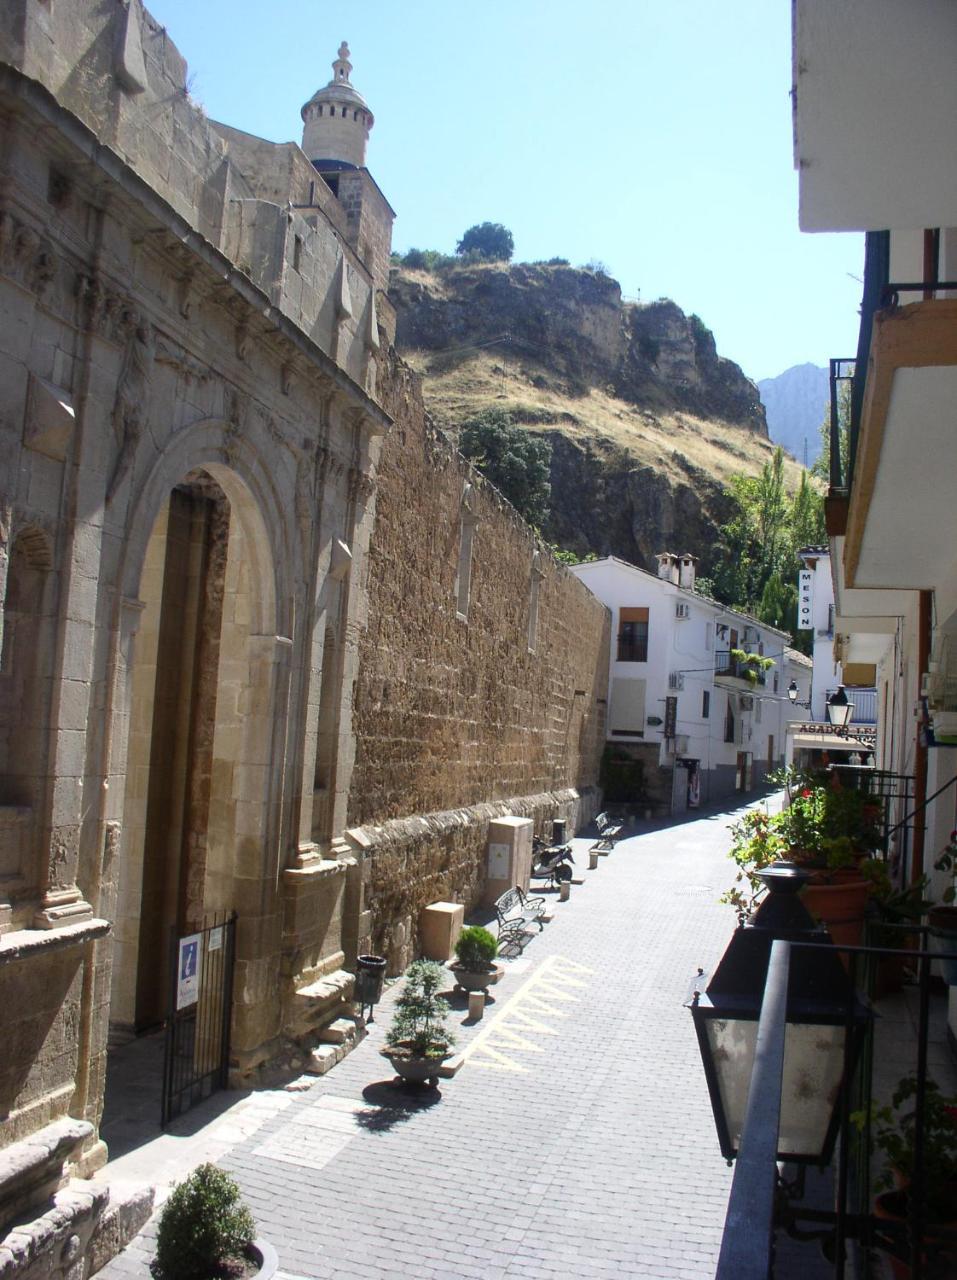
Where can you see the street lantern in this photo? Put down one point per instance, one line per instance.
(825, 1025)
(793, 692)
(839, 710)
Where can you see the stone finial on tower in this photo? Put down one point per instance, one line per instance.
(337, 121)
(342, 66)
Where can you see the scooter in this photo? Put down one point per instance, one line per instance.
(552, 860)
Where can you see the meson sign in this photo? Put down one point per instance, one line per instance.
(805, 591)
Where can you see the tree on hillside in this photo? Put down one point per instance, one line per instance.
(487, 240)
(517, 462)
(757, 564)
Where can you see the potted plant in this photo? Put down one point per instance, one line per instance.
(942, 917)
(206, 1232)
(887, 908)
(822, 829)
(474, 966)
(418, 1043)
(750, 666)
(894, 1135)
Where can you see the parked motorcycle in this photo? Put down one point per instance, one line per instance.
(552, 860)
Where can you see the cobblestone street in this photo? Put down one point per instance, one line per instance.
(576, 1141)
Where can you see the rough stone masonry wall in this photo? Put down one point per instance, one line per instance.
(458, 722)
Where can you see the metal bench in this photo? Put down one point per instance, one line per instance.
(608, 833)
(516, 912)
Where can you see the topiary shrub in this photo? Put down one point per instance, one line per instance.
(203, 1229)
(418, 1025)
(476, 948)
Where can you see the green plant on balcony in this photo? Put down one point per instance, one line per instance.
(894, 1130)
(942, 917)
(750, 666)
(824, 828)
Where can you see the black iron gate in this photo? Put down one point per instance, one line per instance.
(196, 1061)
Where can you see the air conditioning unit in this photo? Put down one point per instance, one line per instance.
(750, 635)
(682, 610)
(747, 701)
(676, 681)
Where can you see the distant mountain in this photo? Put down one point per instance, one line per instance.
(795, 403)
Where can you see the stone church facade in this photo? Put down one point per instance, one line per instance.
(269, 646)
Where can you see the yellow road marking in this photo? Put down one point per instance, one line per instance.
(524, 1012)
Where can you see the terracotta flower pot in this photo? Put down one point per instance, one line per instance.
(839, 907)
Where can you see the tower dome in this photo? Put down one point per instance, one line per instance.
(337, 121)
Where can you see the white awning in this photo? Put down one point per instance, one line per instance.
(831, 742)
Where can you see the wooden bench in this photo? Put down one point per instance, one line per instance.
(516, 912)
(608, 833)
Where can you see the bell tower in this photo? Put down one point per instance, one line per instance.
(336, 124)
(337, 121)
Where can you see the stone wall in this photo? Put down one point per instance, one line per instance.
(460, 716)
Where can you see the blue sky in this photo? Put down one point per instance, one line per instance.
(655, 138)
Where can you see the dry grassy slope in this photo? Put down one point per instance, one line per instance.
(635, 470)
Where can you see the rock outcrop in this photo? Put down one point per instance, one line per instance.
(647, 422)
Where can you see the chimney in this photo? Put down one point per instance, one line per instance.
(667, 566)
(686, 571)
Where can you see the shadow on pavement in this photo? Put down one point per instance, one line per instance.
(394, 1102)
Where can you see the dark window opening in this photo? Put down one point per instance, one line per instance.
(729, 724)
(332, 182)
(633, 635)
(705, 703)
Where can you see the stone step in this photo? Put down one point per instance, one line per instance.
(341, 1031)
(330, 988)
(336, 1041)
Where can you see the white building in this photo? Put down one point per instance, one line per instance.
(680, 701)
(875, 98)
(828, 672)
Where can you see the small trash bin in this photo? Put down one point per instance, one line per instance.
(370, 975)
(559, 831)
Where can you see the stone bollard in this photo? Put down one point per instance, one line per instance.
(476, 1005)
(592, 859)
(564, 891)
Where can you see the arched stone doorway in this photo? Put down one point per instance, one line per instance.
(201, 710)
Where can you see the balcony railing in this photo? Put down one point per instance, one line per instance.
(774, 1226)
(633, 650)
(842, 380)
(725, 665)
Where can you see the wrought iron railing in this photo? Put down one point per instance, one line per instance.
(770, 1226)
(842, 376)
(725, 665)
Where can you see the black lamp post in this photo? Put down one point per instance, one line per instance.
(793, 698)
(839, 710)
(825, 1025)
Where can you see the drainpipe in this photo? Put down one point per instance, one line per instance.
(920, 751)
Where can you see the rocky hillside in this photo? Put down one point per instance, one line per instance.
(646, 420)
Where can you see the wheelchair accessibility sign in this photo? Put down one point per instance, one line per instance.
(188, 971)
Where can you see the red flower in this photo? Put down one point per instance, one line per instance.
(805, 793)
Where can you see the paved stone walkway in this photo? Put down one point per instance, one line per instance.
(577, 1140)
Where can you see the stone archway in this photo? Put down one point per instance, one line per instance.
(202, 708)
